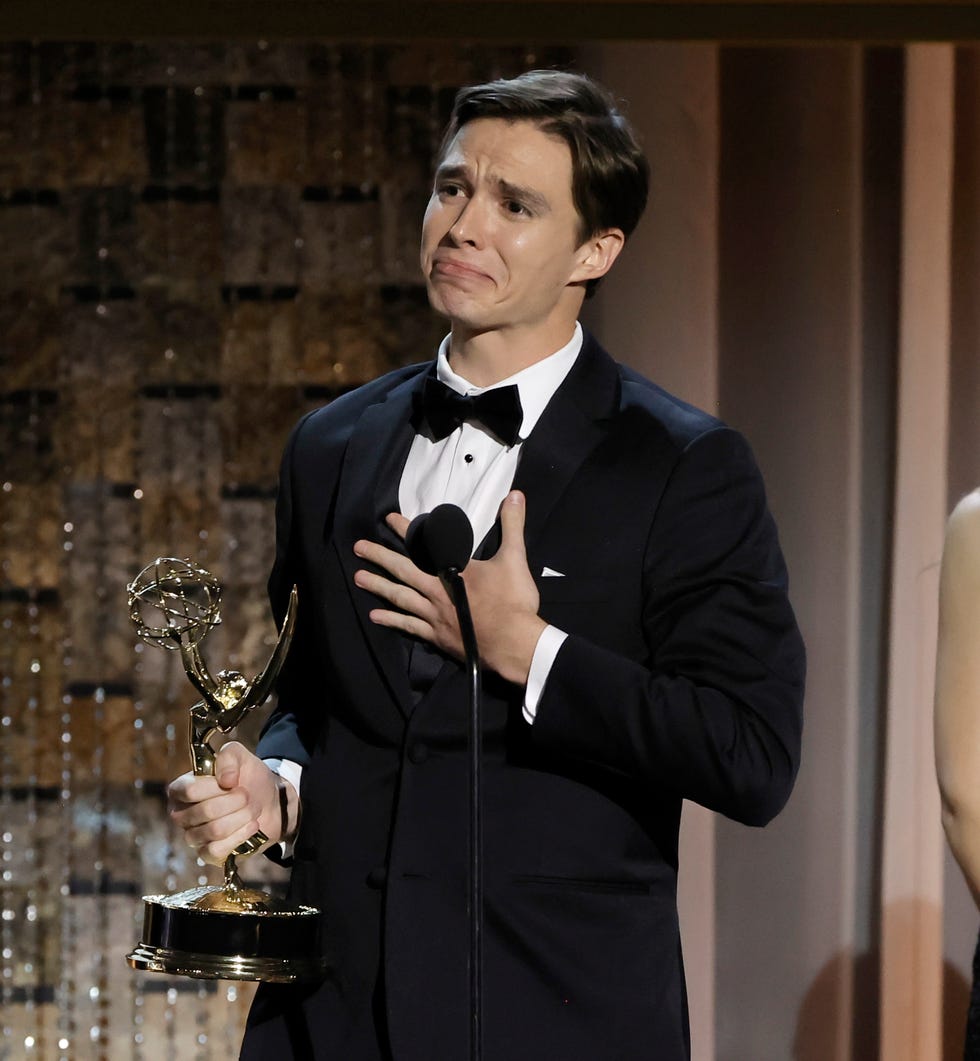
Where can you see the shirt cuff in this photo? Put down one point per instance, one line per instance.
(293, 773)
(545, 651)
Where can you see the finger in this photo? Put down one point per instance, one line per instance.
(192, 815)
(512, 513)
(190, 788)
(398, 523)
(396, 593)
(396, 564)
(216, 849)
(177, 788)
(209, 821)
(407, 624)
(228, 764)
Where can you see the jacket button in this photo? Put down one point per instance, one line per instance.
(418, 753)
(377, 877)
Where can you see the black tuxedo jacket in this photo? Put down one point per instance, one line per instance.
(682, 678)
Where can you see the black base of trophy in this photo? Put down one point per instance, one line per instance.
(201, 933)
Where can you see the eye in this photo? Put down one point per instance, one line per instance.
(517, 208)
(449, 190)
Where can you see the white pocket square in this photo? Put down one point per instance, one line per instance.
(549, 572)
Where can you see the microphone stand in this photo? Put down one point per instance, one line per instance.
(456, 589)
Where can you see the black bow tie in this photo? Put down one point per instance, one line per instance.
(498, 410)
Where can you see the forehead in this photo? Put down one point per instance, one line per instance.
(501, 149)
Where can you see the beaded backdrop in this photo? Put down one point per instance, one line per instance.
(198, 243)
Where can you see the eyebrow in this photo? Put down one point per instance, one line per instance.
(524, 195)
(447, 171)
(506, 188)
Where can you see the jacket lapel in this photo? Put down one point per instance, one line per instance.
(570, 428)
(368, 491)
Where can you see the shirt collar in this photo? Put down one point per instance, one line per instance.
(536, 384)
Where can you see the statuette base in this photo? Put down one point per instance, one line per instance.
(210, 934)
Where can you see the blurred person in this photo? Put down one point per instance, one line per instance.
(958, 712)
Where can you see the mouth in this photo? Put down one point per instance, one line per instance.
(453, 268)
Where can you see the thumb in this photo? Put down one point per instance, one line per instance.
(228, 764)
(512, 524)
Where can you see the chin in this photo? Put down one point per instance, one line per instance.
(458, 310)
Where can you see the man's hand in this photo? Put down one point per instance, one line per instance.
(502, 594)
(244, 797)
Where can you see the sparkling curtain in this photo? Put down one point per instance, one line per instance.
(198, 243)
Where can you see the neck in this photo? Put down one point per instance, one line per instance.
(486, 358)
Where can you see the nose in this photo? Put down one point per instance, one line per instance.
(469, 226)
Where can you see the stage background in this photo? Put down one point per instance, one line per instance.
(201, 240)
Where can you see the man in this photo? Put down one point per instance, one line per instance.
(631, 611)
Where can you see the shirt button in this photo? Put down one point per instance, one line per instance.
(377, 877)
(418, 753)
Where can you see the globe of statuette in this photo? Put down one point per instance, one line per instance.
(174, 602)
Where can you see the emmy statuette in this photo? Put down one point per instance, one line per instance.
(229, 931)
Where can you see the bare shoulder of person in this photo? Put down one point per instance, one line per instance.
(965, 520)
(962, 549)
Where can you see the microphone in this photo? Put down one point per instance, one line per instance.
(440, 540)
(440, 543)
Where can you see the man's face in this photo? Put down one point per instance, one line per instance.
(500, 238)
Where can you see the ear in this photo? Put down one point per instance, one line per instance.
(597, 254)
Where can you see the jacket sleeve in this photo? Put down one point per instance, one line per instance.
(714, 712)
(289, 730)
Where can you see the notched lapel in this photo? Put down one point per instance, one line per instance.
(372, 468)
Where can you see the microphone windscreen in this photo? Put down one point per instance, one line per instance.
(440, 539)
